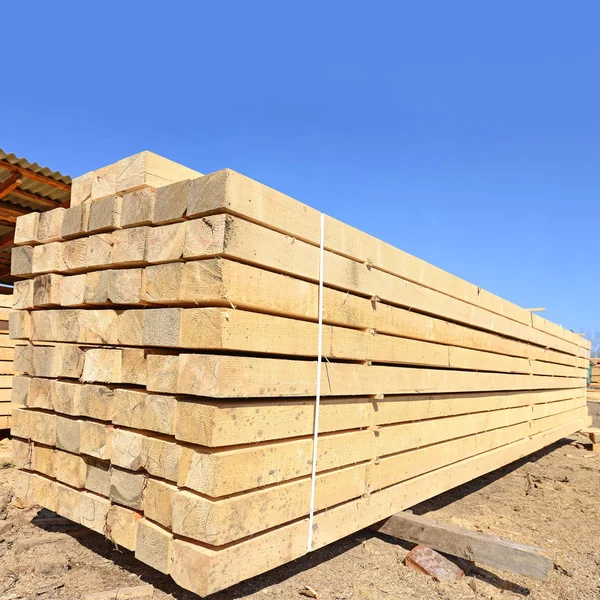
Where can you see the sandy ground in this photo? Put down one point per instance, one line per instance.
(550, 500)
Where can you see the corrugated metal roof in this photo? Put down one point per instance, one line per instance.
(33, 186)
(13, 159)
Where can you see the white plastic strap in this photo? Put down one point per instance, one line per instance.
(313, 478)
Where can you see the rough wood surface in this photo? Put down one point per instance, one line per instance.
(166, 369)
(472, 545)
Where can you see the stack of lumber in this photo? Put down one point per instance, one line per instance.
(6, 361)
(169, 341)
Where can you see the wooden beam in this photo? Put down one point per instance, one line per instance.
(35, 198)
(7, 240)
(10, 213)
(8, 185)
(13, 210)
(535, 309)
(35, 176)
(472, 545)
(593, 433)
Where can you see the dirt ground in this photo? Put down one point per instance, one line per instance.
(550, 500)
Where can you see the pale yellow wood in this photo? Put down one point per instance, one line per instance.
(70, 469)
(72, 290)
(127, 286)
(97, 477)
(113, 286)
(21, 261)
(44, 428)
(131, 173)
(158, 500)
(219, 522)
(127, 488)
(105, 214)
(103, 365)
(408, 322)
(420, 488)
(128, 450)
(19, 327)
(151, 412)
(242, 331)
(75, 220)
(46, 290)
(23, 294)
(21, 423)
(133, 366)
(56, 360)
(205, 571)
(229, 191)
(44, 460)
(165, 243)
(222, 234)
(35, 489)
(21, 453)
(229, 422)
(96, 287)
(234, 237)
(50, 225)
(93, 511)
(96, 439)
(104, 180)
(41, 392)
(6, 300)
(130, 324)
(138, 208)
(22, 358)
(228, 471)
(163, 458)
(223, 282)
(68, 502)
(162, 370)
(220, 328)
(6, 367)
(94, 402)
(153, 545)
(73, 254)
(5, 341)
(81, 188)
(171, 202)
(99, 250)
(221, 376)
(68, 433)
(20, 390)
(121, 526)
(129, 247)
(147, 168)
(26, 229)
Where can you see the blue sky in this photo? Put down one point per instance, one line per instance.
(466, 133)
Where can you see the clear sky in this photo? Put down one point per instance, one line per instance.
(466, 133)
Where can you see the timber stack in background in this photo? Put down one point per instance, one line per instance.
(593, 393)
(6, 361)
(169, 327)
